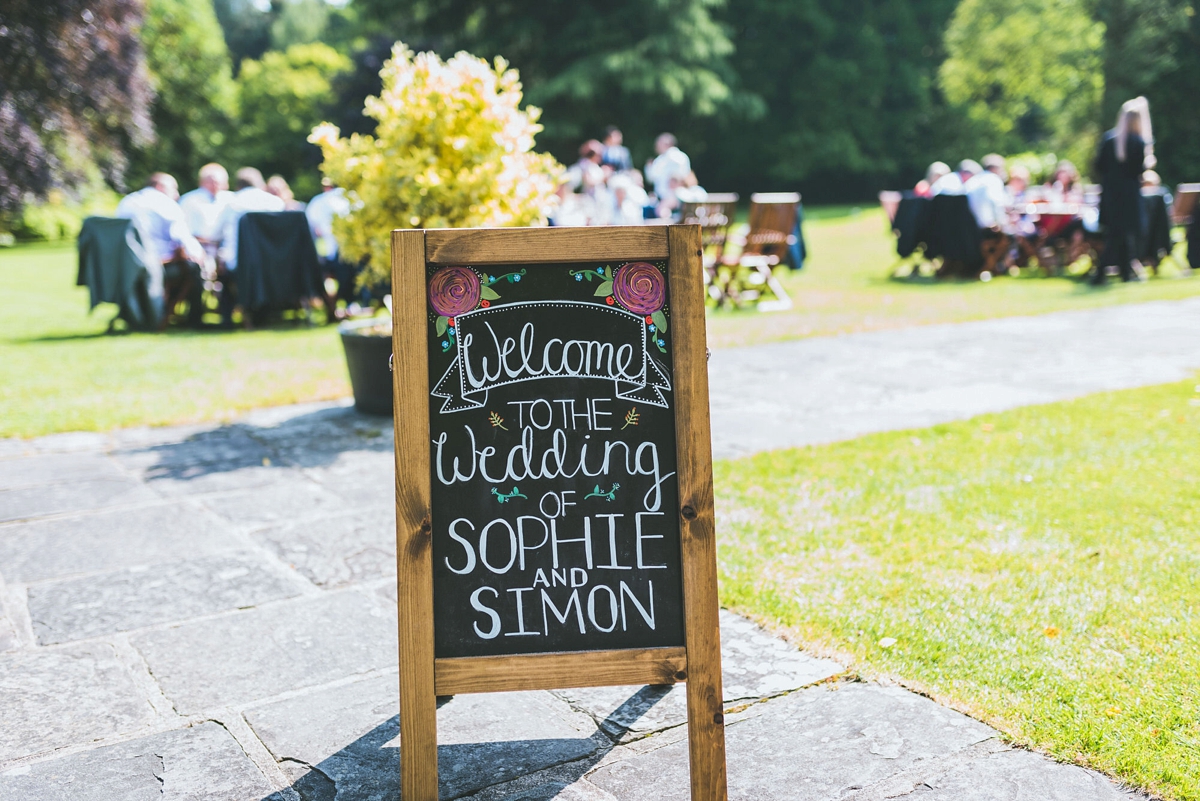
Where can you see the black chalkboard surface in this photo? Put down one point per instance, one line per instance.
(554, 493)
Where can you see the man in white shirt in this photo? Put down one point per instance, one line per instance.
(987, 194)
(321, 211)
(155, 211)
(668, 170)
(202, 207)
(157, 214)
(251, 195)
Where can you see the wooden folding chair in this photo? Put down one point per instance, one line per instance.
(772, 232)
(1186, 197)
(715, 215)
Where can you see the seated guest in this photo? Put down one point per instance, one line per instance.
(321, 212)
(202, 207)
(616, 155)
(277, 185)
(936, 171)
(1018, 182)
(251, 195)
(986, 193)
(155, 211)
(583, 189)
(629, 197)
(670, 165)
(954, 183)
(1065, 184)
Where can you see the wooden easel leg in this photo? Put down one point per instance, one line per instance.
(418, 739)
(706, 736)
(414, 537)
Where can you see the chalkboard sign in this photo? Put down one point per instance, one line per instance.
(554, 485)
(553, 435)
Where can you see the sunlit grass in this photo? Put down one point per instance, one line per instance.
(1039, 569)
(845, 287)
(59, 371)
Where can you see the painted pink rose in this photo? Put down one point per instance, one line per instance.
(454, 291)
(640, 287)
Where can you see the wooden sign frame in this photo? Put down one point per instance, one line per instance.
(698, 662)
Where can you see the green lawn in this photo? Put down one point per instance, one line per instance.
(60, 372)
(1038, 569)
(844, 287)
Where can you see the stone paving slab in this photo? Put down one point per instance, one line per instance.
(289, 495)
(50, 549)
(35, 501)
(754, 665)
(825, 389)
(242, 657)
(57, 468)
(67, 696)
(203, 763)
(339, 550)
(816, 745)
(76, 609)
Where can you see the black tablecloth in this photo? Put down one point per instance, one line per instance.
(277, 260)
(116, 268)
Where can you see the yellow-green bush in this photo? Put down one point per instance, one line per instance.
(453, 149)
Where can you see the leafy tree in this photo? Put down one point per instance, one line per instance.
(452, 149)
(633, 62)
(1152, 48)
(282, 96)
(849, 91)
(1028, 73)
(1174, 101)
(196, 98)
(247, 27)
(1142, 44)
(73, 91)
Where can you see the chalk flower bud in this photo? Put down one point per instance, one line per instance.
(640, 287)
(454, 291)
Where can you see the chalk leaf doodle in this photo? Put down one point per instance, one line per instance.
(609, 496)
(496, 420)
(631, 418)
(516, 493)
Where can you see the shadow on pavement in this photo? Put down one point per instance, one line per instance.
(369, 767)
(307, 439)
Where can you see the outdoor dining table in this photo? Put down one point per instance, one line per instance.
(1052, 218)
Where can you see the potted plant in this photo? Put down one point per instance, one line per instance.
(452, 149)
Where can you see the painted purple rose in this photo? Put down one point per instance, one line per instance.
(640, 287)
(454, 291)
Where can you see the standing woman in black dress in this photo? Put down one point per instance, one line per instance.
(1123, 156)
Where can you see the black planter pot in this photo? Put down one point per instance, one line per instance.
(367, 355)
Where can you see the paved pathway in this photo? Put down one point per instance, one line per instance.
(831, 388)
(208, 612)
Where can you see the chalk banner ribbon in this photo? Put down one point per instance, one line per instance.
(532, 340)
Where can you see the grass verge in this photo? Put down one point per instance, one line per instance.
(1039, 569)
(59, 371)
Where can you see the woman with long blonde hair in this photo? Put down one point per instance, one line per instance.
(1125, 152)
